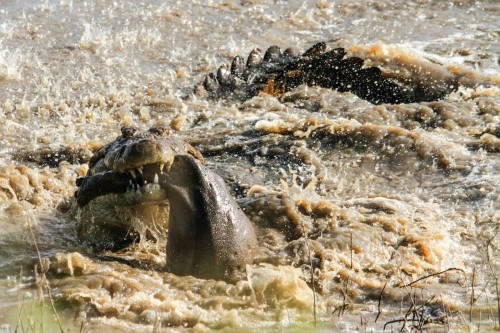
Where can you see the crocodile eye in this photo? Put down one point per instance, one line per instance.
(160, 130)
(128, 131)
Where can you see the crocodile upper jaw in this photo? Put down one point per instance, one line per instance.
(141, 184)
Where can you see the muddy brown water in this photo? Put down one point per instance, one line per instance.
(369, 198)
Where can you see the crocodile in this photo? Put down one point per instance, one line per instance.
(161, 180)
(278, 72)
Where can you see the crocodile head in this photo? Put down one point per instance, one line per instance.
(151, 183)
(121, 197)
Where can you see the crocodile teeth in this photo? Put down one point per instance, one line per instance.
(132, 172)
(157, 179)
(162, 165)
(139, 169)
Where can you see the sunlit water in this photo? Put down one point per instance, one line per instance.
(374, 196)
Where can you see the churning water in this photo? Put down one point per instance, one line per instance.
(353, 202)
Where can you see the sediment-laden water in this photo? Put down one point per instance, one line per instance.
(353, 202)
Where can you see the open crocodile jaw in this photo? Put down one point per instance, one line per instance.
(140, 181)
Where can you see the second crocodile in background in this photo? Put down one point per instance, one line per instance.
(278, 72)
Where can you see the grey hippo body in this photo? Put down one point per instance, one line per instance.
(207, 228)
(159, 180)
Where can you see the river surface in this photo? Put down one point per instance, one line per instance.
(353, 202)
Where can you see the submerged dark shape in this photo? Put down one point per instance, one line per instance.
(278, 72)
(159, 180)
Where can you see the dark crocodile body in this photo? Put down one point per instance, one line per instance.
(278, 72)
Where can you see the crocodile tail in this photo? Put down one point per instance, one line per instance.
(277, 72)
(331, 70)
